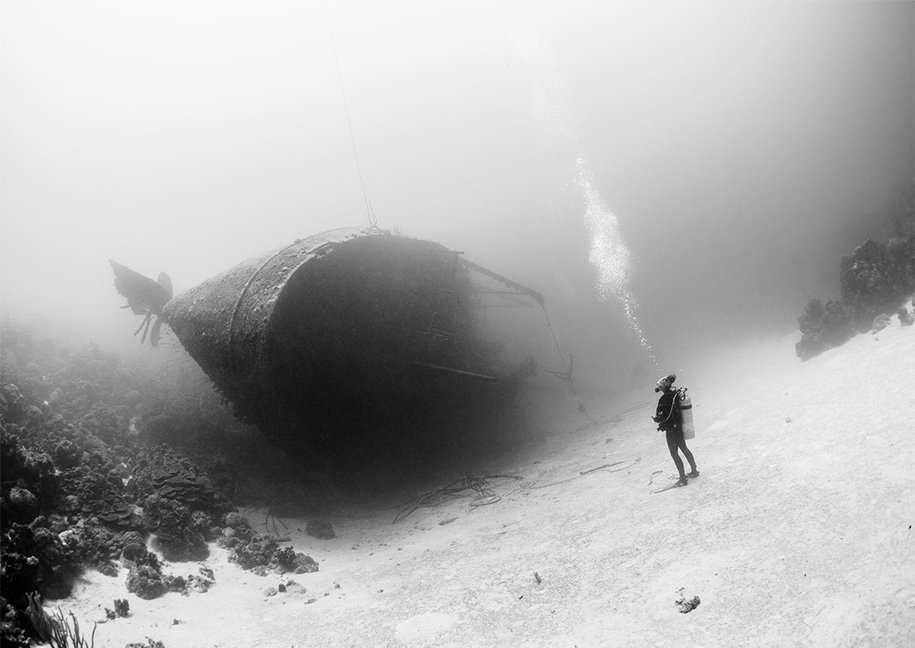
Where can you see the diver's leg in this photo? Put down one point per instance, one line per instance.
(672, 443)
(689, 456)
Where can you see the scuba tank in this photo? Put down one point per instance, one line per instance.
(686, 414)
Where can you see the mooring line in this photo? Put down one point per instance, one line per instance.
(589, 472)
(349, 124)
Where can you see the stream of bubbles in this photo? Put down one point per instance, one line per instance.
(609, 254)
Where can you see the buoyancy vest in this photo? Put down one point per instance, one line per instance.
(667, 415)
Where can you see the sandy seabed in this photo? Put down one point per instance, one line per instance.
(797, 533)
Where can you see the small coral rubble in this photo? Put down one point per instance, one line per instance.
(687, 605)
(121, 609)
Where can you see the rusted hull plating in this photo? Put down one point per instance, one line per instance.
(350, 325)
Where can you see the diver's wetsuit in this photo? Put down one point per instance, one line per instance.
(670, 420)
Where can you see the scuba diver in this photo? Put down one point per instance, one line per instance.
(670, 419)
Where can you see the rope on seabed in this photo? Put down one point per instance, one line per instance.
(630, 464)
(483, 488)
(481, 485)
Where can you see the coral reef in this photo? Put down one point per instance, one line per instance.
(35, 559)
(874, 280)
(180, 504)
(823, 327)
(262, 553)
(97, 460)
(146, 582)
(180, 533)
(12, 633)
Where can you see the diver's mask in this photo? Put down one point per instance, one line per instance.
(665, 382)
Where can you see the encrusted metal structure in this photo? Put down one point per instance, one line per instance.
(344, 333)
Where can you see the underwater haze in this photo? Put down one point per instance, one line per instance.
(674, 177)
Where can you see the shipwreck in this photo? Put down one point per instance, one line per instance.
(353, 338)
